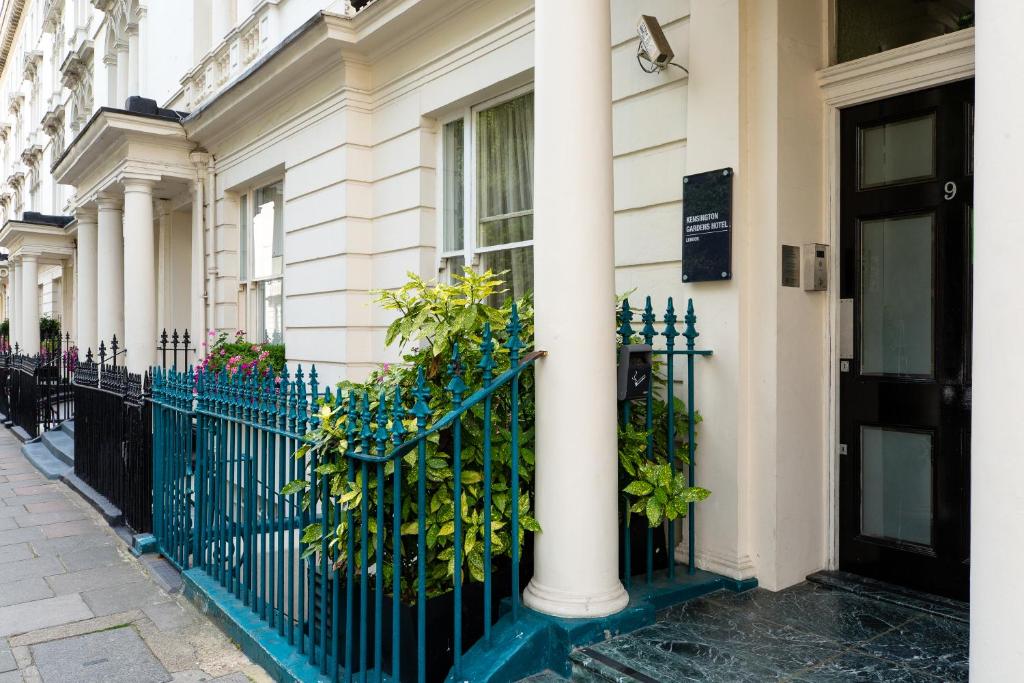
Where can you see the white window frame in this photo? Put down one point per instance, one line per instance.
(255, 325)
(470, 252)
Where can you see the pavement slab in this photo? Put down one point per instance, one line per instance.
(26, 590)
(29, 616)
(75, 605)
(115, 656)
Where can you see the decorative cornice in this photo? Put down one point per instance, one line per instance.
(53, 11)
(14, 102)
(75, 65)
(11, 12)
(32, 60)
(911, 67)
(32, 154)
(53, 120)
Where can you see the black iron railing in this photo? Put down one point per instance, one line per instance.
(35, 390)
(113, 426)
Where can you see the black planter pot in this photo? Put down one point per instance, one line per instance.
(638, 538)
(440, 622)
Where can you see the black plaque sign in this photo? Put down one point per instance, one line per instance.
(707, 226)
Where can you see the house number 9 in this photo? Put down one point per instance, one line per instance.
(950, 189)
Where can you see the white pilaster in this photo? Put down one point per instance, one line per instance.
(109, 270)
(163, 269)
(133, 61)
(87, 335)
(997, 468)
(14, 291)
(222, 19)
(576, 565)
(197, 302)
(139, 278)
(29, 304)
(122, 75)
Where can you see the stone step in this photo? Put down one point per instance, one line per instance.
(589, 666)
(61, 445)
(68, 427)
(40, 456)
(109, 511)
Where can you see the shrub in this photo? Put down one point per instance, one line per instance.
(432, 319)
(238, 355)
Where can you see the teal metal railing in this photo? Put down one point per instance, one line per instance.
(352, 602)
(679, 454)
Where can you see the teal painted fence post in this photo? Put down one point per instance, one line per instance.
(691, 335)
(670, 335)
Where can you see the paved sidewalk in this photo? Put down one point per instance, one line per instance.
(76, 607)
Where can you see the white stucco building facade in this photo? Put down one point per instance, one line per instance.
(283, 159)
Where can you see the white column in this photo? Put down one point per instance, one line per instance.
(122, 75)
(163, 269)
(133, 61)
(997, 468)
(222, 19)
(14, 291)
(110, 62)
(30, 304)
(197, 302)
(109, 270)
(139, 278)
(87, 335)
(576, 565)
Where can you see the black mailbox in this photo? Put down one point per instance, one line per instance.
(634, 371)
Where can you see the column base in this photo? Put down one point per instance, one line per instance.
(572, 605)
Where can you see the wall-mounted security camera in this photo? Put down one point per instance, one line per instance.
(654, 45)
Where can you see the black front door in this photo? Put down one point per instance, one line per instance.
(905, 376)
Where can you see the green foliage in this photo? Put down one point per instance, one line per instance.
(431, 319)
(238, 355)
(5, 329)
(49, 334)
(652, 488)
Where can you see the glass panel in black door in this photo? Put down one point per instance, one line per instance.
(905, 389)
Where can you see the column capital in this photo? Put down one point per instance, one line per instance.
(29, 258)
(108, 201)
(138, 184)
(85, 214)
(200, 159)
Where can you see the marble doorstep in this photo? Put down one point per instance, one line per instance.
(897, 595)
(805, 633)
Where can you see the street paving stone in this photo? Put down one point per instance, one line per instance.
(114, 656)
(29, 616)
(26, 590)
(76, 606)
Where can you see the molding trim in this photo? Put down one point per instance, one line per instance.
(938, 60)
(738, 567)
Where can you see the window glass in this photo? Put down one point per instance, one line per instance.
(897, 152)
(454, 186)
(268, 231)
(504, 175)
(273, 311)
(867, 27)
(896, 485)
(896, 296)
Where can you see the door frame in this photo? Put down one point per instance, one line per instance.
(929, 63)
